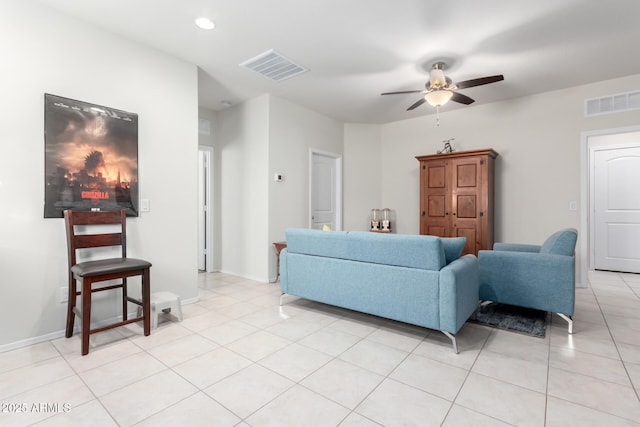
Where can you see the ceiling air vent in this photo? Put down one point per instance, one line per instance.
(612, 103)
(273, 66)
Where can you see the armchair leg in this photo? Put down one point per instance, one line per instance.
(453, 341)
(281, 299)
(569, 320)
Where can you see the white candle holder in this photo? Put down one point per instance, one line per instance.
(386, 220)
(375, 222)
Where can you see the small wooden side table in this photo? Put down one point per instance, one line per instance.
(278, 246)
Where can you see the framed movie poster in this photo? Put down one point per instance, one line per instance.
(91, 157)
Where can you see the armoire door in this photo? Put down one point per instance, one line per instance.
(457, 197)
(436, 204)
(467, 196)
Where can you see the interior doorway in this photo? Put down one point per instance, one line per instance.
(325, 190)
(205, 208)
(616, 204)
(610, 223)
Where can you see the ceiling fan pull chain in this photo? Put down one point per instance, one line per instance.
(437, 115)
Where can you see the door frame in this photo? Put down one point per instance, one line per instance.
(587, 246)
(207, 177)
(338, 190)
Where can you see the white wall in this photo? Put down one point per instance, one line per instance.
(362, 174)
(258, 138)
(211, 140)
(243, 137)
(538, 169)
(293, 131)
(43, 51)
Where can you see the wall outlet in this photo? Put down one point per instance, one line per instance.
(64, 294)
(573, 205)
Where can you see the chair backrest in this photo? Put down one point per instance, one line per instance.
(83, 239)
(561, 242)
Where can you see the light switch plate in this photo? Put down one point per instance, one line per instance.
(144, 205)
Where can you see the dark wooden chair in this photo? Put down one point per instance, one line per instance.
(82, 227)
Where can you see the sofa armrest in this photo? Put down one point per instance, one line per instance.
(541, 281)
(516, 247)
(459, 283)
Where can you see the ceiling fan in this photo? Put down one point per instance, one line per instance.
(440, 88)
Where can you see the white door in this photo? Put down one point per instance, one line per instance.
(616, 200)
(325, 191)
(205, 235)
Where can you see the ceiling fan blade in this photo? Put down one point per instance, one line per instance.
(402, 92)
(418, 103)
(480, 81)
(462, 99)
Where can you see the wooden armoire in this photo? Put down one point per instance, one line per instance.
(456, 197)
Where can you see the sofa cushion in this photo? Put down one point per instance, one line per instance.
(403, 250)
(316, 242)
(561, 242)
(453, 247)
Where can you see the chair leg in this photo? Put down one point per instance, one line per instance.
(124, 299)
(86, 315)
(569, 320)
(71, 303)
(452, 337)
(146, 301)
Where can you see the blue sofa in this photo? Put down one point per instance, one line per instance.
(533, 276)
(421, 280)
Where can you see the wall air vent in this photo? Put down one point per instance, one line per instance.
(274, 66)
(612, 103)
(204, 126)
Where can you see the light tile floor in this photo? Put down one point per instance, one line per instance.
(238, 359)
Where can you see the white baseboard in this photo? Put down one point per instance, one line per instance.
(61, 333)
(31, 341)
(190, 300)
(255, 279)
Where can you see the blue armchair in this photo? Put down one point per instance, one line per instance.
(533, 276)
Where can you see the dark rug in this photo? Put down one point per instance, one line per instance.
(511, 318)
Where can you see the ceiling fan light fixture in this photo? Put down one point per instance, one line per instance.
(438, 98)
(437, 78)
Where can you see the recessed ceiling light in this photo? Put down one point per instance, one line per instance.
(205, 23)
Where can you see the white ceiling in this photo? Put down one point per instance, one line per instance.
(357, 49)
